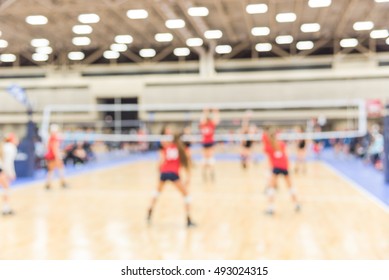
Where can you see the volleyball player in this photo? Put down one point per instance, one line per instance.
(207, 128)
(276, 151)
(54, 158)
(172, 157)
(301, 156)
(7, 172)
(246, 143)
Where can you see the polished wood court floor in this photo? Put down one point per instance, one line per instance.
(102, 216)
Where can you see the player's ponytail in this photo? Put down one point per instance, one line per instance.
(184, 159)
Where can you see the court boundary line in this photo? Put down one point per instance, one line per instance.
(359, 188)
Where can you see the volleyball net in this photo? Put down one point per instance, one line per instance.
(319, 119)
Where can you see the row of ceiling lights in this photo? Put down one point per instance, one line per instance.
(121, 41)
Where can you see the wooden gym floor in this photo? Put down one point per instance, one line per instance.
(102, 216)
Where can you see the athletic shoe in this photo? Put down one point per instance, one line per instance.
(149, 214)
(8, 212)
(48, 187)
(297, 208)
(65, 186)
(269, 212)
(189, 223)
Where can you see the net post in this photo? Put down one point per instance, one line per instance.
(386, 145)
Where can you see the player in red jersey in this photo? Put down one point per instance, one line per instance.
(276, 152)
(54, 158)
(207, 130)
(173, 156)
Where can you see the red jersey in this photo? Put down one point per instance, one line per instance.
(171, 163)
(278, 159)
(53, 143)
(208, 131)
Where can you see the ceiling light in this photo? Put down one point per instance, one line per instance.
(81, 41)
(82, 29)
(213, 34)
(382, 1)
(310, 27)
(175, 23)
(256, 9)
(40, 42)
(124, 39)
(223, 49)
(198, 11)
(284, 39)
(286, 17)
(387, 41)
(40, 57)
(147, 53)
(36, 20)
(349, 43)
(163, 37)
(119, 47)
(111, 55)
(88, 18)
(363, 25)
(305, 45)
(7, 57)
(319, 3)
(3, 44)
(379, 34)
(263, 47)
(76, 55)
(181, 52)
(137, 14)
(194, 42)
(44, 50)
(260, 31)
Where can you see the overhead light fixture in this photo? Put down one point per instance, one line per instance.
(382, 1)
(111, 55)
(363, 25)
(263, 47)
(147, 53)
(81, 41)
(40, 57)
(44, 50)
(284, 39)
(41, 42)
(256, 9)
(319, 3)
(181, 52)
(310, 27)
(88, 18)
(305, 45)
(37, 20)
(163, 37)
(124, 39)
(213, 34)
(175, 23)
(3, 44)
(194, 42)
(7, 57)
(198, 11)
(387, 41)
(82, 29)
(223, 49)
(76, 55)
(260, 31)
(349, 43)
(379, 34)
(286, 17)
(137, 14)
(119, 47)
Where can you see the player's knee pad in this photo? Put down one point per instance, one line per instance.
(292, 191)
(271, 192)
(156, 194)
(188, 199)
(211, 161)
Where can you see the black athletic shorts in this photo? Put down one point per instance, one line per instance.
(248, 144)
(208, 145)
(301, 145)
(279, 171)
(169, 176)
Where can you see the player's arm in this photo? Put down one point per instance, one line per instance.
(216, 117)
(204, 115)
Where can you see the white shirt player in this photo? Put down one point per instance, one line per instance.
(8, 161)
